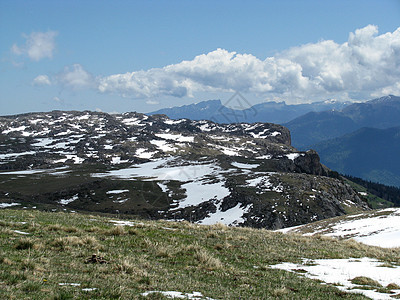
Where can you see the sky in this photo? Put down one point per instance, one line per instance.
(119, 56)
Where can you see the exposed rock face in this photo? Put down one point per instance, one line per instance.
(154, 167)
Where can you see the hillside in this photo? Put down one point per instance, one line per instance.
(369, 153)
(158, 168)
(73, 256)
(376, 228)
(315, 127)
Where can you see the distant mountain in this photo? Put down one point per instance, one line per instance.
(369, 153)
(315, 127)
(199, 111)
(271, 112)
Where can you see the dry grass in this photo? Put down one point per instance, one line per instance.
(363, 280)
(68, 242)
(115, 231)
(6, 261)
(207, 260)
(393, 286)
(215, 260)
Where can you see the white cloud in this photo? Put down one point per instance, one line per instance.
(76, 77)
(152, 102)
(41, 80)
(57, 99)
(367, 63)
(38, 45)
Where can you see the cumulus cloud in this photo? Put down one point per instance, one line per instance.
(38, 45)
(76, 77)
(366, 63)
(41, 80)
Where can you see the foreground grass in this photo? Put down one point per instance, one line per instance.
(219, 262)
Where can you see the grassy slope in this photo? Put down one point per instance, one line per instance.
(374, 201)
(215, 260)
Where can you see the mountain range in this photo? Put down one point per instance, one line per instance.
(158, 168)
(315, 127)
(238, 110)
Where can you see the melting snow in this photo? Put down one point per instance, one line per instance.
(198, 192)
(343, 270)
(9, 155)
(24, 172)
(379, 228)
(243, 166)
(172, 122)
(292, 156)
(175, 137)
(264, 184)
(259, 134)
(89, 289)
(73, 157)
(21, 128)
(21, 232)
(232, 216)
(160, 170)
(264, 157)
(383, 231)
(163, 145)
(125, 223)
(117, 192)
(118, 160)
(144, 153)
(180, 295)
(275, 133)
(67, 201)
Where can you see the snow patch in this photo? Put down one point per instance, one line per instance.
(117, 192)
(125, 223)
(175, 137)
(382, 231)
(163, 145)
(13, 155)
(244, 166)
(21, 232)
(68, 201)
(232, 216)
(292, 156)
(198, 192)
(341, 271)
(180, 295)
(4, 205)
(144, 153)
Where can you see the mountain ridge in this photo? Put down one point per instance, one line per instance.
(369, 153)
(155, 167)
(240, 110)
(380, 113)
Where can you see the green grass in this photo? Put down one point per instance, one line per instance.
(373, 201)
(218, 261)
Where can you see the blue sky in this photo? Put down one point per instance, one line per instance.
(119, 56)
